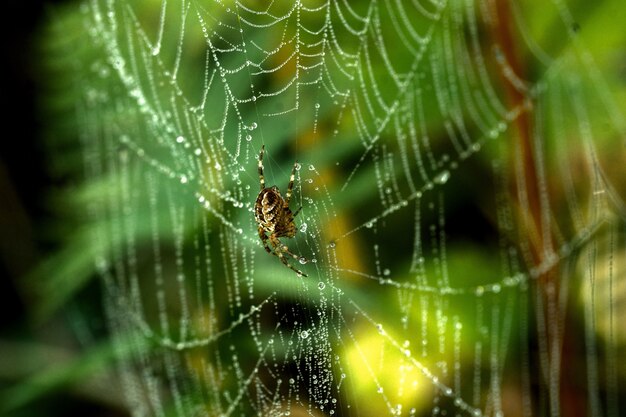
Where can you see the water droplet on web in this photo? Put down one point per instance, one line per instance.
(292, 381)
(386, 272)
(380, 329)
(302, 261)
(304, 334)
(309, 181)
(480, 290)
(317, 105)
(252, 126)
(369, 225)
(248, 138)
(298, 166)
(332, 244)
(311, 168)
(180, 139)
(218, 166)
(303, 227)
(197, 151)
(379, 390)
(321, 285)
(183, 179)
(442, 177)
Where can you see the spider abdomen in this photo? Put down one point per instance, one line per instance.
(269, 205)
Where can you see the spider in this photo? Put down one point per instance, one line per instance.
(273, 216)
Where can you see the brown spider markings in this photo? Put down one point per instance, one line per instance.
(273, 216)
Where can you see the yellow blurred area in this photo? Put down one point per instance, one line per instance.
(377, 368)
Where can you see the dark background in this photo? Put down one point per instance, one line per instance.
(25, 189)
(23, 179)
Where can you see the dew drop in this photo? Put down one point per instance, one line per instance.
(332, 244)
(321, 285)
(304, 334)
(248, 138)
(303, 227)
(292, 381)
(317, 105)
(302, 261)
(386, 272)
(183, 179)
(197, 151)
(253, 126)
(442, 177)
(380, 390)
(218, 166)
(311, 168)
(180, 139)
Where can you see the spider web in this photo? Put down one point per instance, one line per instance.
(462, 212)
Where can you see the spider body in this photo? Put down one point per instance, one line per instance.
(275, 219)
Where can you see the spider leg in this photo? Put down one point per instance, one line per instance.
(261, 176)
(264, 240)
(279, 249)
(290, 186)
(297, 211)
